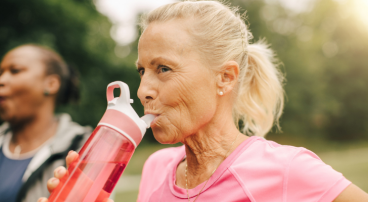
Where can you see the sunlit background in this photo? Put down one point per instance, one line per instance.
(322, 44)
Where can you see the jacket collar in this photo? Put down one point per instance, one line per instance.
(65, 133)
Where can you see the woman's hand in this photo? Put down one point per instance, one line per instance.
(59, 173)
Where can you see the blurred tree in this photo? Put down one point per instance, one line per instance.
(324, 52)
(345, 70)
(76, 30)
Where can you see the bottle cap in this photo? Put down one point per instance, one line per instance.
(121, 116)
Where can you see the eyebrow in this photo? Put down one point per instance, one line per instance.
(11, 66)
(156, 60)
(137, 64)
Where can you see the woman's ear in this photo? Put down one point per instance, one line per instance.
(228, 77)
(52, 84)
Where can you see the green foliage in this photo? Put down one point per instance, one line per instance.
(76, 30)
(324, 56)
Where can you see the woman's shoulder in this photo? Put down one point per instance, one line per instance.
(69, 133)
(267, 150)
(286, 170)
(271, 157)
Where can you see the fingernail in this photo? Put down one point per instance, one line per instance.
(41, 200)
(70, 152)
(61, 171)
(54, 181)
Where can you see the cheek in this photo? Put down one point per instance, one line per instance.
(25, 96)
(28, 97)
(29, 87)
(168, 127)
(188, 104)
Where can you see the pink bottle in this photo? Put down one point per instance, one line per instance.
(106, 153)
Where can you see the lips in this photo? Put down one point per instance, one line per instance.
(153, 123)
(2, 99)
(151, 112)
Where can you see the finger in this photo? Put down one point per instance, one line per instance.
(43, 199)
(59, 172)
(52, 183)
(72, 156)
(108, 200)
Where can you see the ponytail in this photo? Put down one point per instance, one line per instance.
(260, 94)
(69, 91)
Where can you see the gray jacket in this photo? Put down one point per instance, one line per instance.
(69, 136)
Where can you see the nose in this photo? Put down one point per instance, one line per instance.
(4, 78)
(147, 90)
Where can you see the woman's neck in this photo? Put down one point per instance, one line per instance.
(33, 132)
(206, 150)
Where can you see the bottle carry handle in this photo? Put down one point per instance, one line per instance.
(124, 92)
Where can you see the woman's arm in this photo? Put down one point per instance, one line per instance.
(352, 193)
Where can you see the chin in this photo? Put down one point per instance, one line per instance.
(164, 137)
(7, 112)
(4, 116)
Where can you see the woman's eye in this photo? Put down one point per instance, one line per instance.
(15, 71)
(141, 71)
(163, 69)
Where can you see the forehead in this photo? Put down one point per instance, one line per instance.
(168, 38)
(23, 56)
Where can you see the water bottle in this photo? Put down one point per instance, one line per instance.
(106, 153)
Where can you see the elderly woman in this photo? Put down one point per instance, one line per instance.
(201, 77)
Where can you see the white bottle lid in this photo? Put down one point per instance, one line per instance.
(121, 116)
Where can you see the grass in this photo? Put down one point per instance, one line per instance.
(129, 196)
(349, 158)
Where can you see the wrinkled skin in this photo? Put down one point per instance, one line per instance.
(175, 83)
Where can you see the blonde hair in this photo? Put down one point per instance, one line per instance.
(221, 35)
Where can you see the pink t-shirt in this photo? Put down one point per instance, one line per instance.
(258, 170)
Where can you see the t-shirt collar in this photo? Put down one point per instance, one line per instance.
(182, 193)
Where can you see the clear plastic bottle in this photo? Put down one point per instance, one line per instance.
(106, 153)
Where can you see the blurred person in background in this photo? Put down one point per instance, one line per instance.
(199, 72)
(33, 140)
